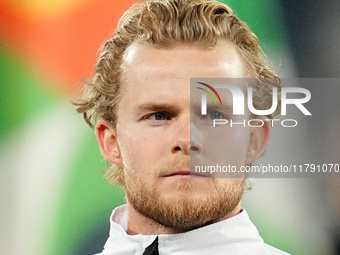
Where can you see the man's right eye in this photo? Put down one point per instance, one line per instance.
(159, 116)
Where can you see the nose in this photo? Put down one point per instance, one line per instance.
(196, 139)
(183, 144)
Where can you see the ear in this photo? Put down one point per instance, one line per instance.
(259, 137)
(107, 140)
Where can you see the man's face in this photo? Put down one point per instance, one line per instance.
(153, 135)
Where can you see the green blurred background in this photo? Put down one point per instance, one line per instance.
(54, 200)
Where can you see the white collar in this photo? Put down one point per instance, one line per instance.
(237, 232)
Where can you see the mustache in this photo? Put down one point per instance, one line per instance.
(181, 163)
(174, 165)
(190, 163)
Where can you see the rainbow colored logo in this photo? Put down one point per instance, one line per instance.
(212, 89)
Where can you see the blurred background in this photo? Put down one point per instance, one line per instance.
(53, 198)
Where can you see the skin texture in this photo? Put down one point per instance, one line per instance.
(152, 139)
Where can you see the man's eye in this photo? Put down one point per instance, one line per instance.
(159, 116)
(215, 115)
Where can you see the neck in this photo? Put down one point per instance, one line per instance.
(139, 224)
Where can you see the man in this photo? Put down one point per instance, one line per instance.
(139, 103)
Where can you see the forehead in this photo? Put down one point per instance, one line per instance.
(182, 61)
(154, 74)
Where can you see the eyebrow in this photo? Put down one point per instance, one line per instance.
(157, 107)
(226, 108)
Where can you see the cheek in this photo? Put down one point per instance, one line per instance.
(239, 137)
(232, 137)
(230, 144)
(130, 149)
(141, 149)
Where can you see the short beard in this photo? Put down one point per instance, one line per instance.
(187, 212)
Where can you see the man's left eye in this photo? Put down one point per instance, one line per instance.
(215, 115)
(159, 116)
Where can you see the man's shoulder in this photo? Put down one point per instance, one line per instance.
(265, 249)
(238, 249)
